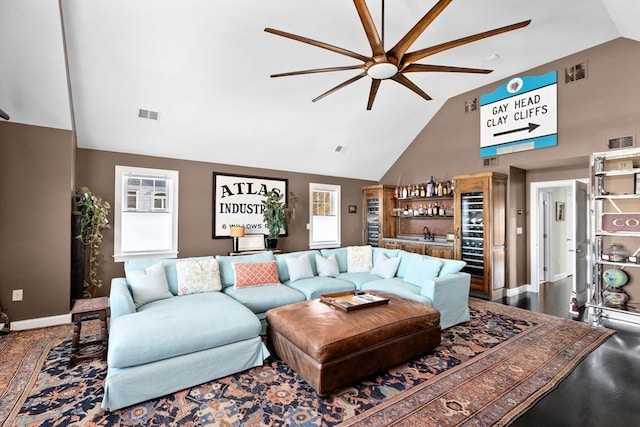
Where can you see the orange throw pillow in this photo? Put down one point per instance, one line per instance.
(255, 274)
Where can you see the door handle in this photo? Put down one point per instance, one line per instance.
(578, 251)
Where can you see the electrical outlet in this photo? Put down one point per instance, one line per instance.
(17, 295)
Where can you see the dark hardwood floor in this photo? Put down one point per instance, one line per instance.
(604, 389)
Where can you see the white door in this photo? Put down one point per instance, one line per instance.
(578, 243)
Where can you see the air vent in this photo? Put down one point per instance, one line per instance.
(621, 142)
(148, 114)
(575, 72)
(490, 161)
(340, 149)
(470, 105)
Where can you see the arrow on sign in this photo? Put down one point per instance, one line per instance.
(531, 127)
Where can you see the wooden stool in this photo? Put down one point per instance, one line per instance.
(83, 310)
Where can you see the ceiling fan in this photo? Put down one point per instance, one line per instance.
(396, 62)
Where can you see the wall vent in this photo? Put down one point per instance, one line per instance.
(490, 161)
(621, 142)
(148, 114)
(575, 72)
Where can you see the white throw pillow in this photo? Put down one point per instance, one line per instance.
(385, 267)
(299, 267)
(198, 275)
(148, 285)
(359, 259)
(327, 267)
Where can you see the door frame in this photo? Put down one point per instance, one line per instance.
(535, 237)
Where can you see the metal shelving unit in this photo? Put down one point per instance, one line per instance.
(614, 208)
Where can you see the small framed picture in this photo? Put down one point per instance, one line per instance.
(559, 211)
(353, 209)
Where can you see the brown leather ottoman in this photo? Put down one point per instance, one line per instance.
(331, 348)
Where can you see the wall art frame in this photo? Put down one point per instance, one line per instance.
(237, 200)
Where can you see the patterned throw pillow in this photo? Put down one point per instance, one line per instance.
(255, 274)
(385, 267)
(359, 259)
(196, 276)
(327, 267)
(148, 285)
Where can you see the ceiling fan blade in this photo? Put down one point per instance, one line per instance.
(369, 28)
(340, 86)
(319, 70)
(375, 84)
(423, 53)
(412, 68)
(405, 42)
(316, 43)
(409, 84)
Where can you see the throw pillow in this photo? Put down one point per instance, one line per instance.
(359, 259)
(421, 269)
(385, 267)
(327, 267)
(299, 267)
(196, 276)
(255, 274)
(149, 284)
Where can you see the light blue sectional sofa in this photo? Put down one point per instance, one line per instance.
(179, 341)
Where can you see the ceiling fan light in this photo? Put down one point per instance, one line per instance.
(382, 71)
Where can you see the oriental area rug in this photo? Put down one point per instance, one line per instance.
(486, 372)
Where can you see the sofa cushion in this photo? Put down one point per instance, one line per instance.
(422, 269)
(198, 275)
(398, 287)
(359, 259)
(327, 267)
(315, 286)
(255, 274)
(227, 275)
(169, 268)
(405, 260)
(341, 257)
(385, 267)
(449, 266)
(157, 330)
(259, 299)
(299, 267)
(357, 279)
(148, 284)
(283, 271)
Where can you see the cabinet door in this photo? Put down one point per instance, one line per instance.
(391, 245)
(441, 253)
(415, 248)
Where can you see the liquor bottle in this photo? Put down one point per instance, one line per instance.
(396, 192)
(430, 187)
(429, 210)
(441, 212)
(404, 192)
(436, 209)
(423, 191)
(439, 189)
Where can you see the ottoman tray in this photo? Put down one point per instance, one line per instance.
(332, 348)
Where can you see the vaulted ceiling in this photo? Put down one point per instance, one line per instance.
(205, 67)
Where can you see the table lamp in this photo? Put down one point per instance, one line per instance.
(236, 231)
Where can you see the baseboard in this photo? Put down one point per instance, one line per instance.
(41, 322)
(512, 292)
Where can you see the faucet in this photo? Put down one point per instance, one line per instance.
(427, 234)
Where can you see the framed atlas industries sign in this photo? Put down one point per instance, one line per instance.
(520, 115)
(237, 200)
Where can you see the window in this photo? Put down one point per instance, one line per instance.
(146, 213)
(324, 221)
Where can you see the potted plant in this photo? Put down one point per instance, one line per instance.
(91, 216)
(274, 216)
